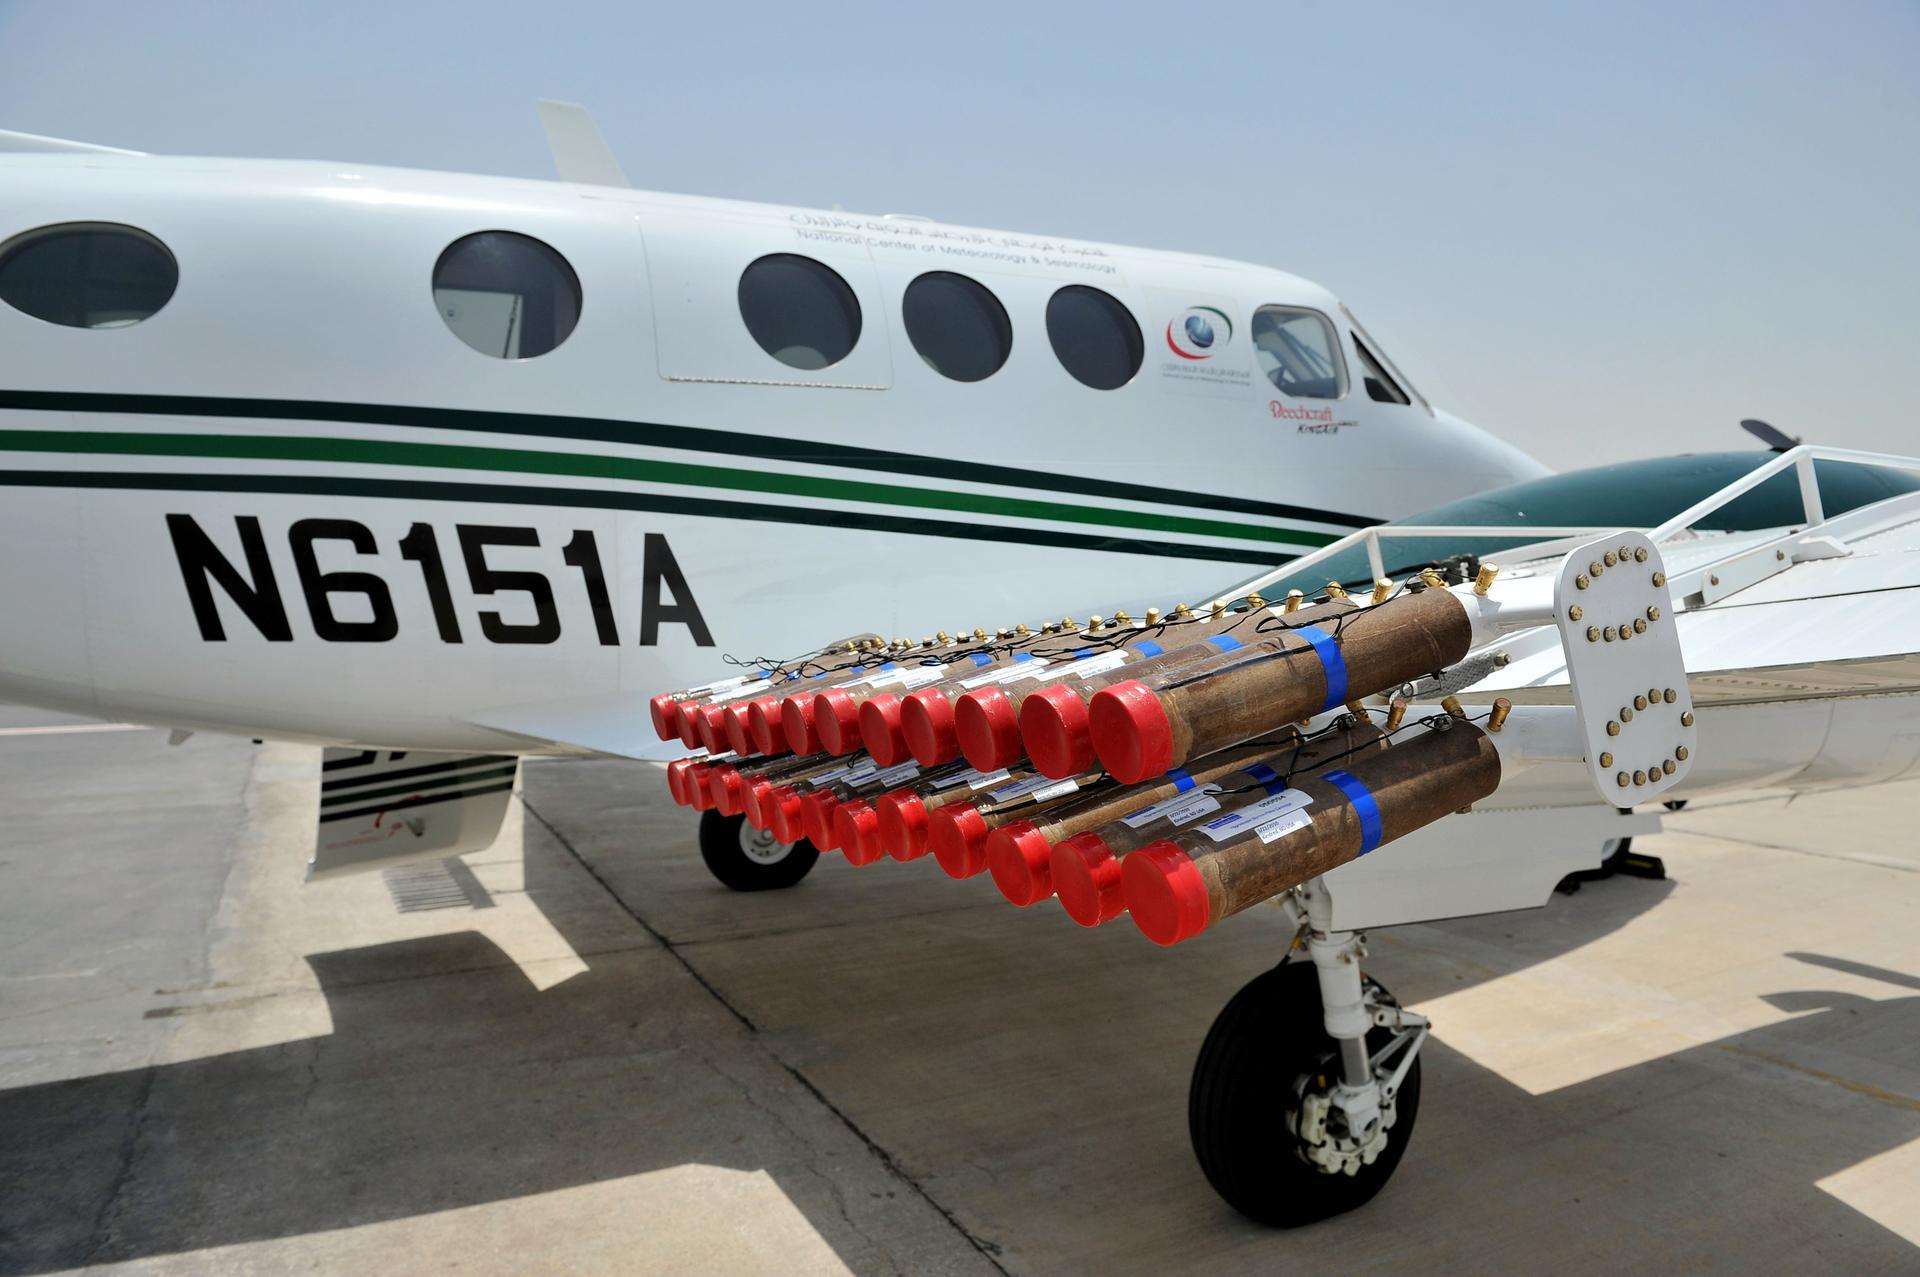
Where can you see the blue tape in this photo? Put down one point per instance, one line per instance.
(1363, 806)
(890, 665)
(1147, 647)
(1269, 779)
(1225, 642)
(1332, 659)
(1082, 653)
(981, 658)
(1023, 656)
(1182, 781)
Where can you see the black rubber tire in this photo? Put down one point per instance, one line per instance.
(728, 861)
(1267, 1036)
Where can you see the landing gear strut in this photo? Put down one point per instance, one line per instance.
(1305, 1092)
(749, 859)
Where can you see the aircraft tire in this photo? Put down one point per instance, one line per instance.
(746, 859)
(1245, 1085)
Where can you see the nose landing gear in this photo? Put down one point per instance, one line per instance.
(749, 859)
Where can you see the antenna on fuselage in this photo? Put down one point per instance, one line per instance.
(580, 153)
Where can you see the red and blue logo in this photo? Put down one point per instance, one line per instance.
(1199, 332)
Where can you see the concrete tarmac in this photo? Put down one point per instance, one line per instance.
(576, 1052)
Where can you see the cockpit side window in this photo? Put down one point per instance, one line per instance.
(1297, 350)
(1381, 388)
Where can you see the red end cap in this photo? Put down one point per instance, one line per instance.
(1165, 894)
(958, 835)
(784, 813)
(858, 829)
(763, 725)
(699, 776)
(713, 728)
(759, 811)
(880, 729)
(733, 792)
(665, 712)
(988, 728)
(1053, 725)
(816, 818)
(1086, 877)
(796, 723)
(690, 726)
(1130, 731)
(1018, 856)
(926, 720)
(739, 739)
(677, 780)
(836, 720)
(903, 824)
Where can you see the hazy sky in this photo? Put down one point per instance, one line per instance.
(1601, 231)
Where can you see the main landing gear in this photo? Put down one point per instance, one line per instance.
(749, 859)
(1306, 1089)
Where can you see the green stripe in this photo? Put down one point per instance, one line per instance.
(581, 465)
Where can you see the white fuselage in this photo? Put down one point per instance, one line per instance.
(298, 409)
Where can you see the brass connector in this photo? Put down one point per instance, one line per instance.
(1219, 608)
(1336, 591)
(1120, 617)
(1153, 616)
(979, 635)
(1021, 630)
(1255, 601)
(1182, 611)
(1452, 705)
(1498, 718)
(1096, 622)
(1294, 599)
(1381, 589)
(1396, 714)
(1484, 581)
(1358, 710)
(944, 637)
(1433, 578)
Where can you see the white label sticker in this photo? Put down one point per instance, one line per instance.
(1235, 823)
(1056, 789)
(735, 693)
(919, 676)
(1023, 787)
(977, 779)
(1281, 826)
(1180, 809)
(897, 773)
(1019, 669)
(723, 684)
(1105, 664)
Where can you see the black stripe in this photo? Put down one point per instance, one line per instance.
(360, 759)
(601, 499)
(430, 769)
(654, 435)
(394, 791)
(417, 802)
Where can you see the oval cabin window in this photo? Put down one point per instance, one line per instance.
(800, 311)
(87, 274)
(957, 326)
(505, 294)
(1094, 337)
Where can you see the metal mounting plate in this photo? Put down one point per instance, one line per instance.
(1624, 662)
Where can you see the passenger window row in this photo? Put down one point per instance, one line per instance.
(511, 296)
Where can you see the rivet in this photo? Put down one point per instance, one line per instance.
(1626, 632)
(1613, 728)
(1625, 551)
(1609, 558)
(1639, 626)
(1622, 779)
(1780, 556)
(1666, 765)
(1639, 778)
(1640, 555)
(1686, 719)
(1607, 634)
(1712, 579)
(1626, 713)
(1594, 568)
(1668, 696)
(1680, 752)
(1659, 578)
(1580, 581)
(1593, 634)
(1653, 612)
(1606, 759)
(1575, 612)
(1639, 702)
(1653, 694)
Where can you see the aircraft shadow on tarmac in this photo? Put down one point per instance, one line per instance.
(450, 1081)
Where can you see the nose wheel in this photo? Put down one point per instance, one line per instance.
(749, 859)
(1278, 1124)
